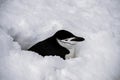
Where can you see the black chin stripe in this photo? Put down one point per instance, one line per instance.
(67, 43)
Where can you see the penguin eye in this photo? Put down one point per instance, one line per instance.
(66, 39)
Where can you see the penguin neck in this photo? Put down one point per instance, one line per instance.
(71, 50)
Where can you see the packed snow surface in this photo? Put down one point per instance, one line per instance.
(26, 22)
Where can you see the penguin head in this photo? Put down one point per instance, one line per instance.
(67, 39)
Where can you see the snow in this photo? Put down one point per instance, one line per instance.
(25, 22)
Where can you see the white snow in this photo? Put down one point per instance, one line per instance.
(25, 22)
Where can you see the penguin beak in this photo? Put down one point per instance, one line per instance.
(78, 39)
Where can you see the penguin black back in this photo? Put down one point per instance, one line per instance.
(48, 47)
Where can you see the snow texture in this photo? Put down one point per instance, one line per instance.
(26, 22)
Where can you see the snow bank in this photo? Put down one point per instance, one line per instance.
(25, 22)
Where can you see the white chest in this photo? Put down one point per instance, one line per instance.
(71, 54)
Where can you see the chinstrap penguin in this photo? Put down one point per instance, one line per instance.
(61, 44)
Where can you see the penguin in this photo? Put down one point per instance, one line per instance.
(61, 44)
